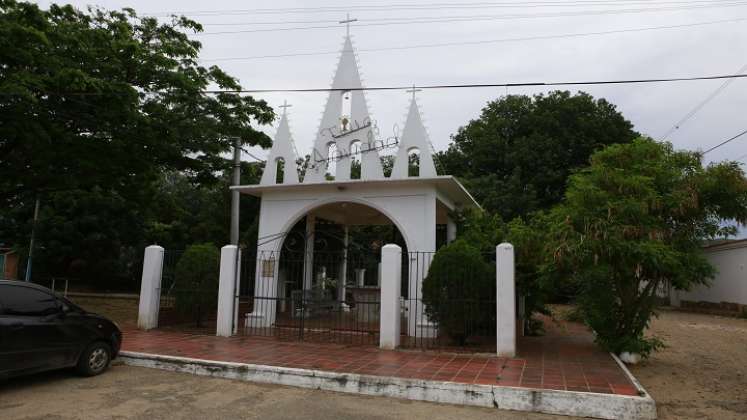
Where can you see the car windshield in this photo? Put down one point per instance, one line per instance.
(70, 304)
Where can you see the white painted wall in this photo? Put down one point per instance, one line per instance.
(729, 285)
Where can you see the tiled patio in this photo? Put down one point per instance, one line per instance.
(564, 359)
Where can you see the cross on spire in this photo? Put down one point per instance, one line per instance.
(347, 22)
(413, 91)
(285, 106)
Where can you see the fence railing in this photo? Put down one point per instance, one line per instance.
(334, 296)
(451, 306)
(327, 296)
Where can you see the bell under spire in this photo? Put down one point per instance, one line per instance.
(345, 121)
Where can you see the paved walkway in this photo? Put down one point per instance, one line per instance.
(564, 359)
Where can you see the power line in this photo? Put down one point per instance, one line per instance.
(429, 87)
(725, 142)
(701, 105)
(484, 85)
(481, 42)
(433, 6)
(428, 20)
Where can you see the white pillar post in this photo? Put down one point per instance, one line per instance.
(150, 288)
(389, 319)
(308, 256)
(266, 290)
(344, 266)
(505, 300)
(451, 231)
(229, 271)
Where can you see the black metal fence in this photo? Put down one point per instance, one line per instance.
(329, 296)
(184, 305)
(335, 297)
(448, 306)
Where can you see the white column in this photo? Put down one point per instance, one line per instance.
(391, 272)
(308, 256)
(505, 301)
(342, 284)
(150, 288)
(265, 290)
(229, 271)
(451, 230)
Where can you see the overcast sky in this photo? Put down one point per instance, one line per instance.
(712, 49)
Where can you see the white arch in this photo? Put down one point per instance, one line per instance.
(309, 208)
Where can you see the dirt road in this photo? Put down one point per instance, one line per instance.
(702, 374)
(133, 393)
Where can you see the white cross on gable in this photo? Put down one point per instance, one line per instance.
(285, 106)
(347, 23)
(414, 90)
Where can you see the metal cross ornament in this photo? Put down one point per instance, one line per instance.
(413, 91)
(347, 23)
(285, 106)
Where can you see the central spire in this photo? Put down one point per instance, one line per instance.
(346, 126)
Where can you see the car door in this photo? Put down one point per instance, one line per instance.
(32, 339)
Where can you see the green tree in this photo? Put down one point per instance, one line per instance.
(635, 220)
(455, 292)
(196, 282)
(96, 107)
(107, 98)
(517, 156)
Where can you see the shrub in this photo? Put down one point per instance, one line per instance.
(458, 285)
(196, 277)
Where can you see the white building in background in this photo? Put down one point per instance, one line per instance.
(728, 289)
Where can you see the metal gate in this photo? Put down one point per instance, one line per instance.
(327, 296)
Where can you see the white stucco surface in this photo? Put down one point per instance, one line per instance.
(729, 284)
(150, 288)
(391, 273)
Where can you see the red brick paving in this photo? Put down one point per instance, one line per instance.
(561, 360)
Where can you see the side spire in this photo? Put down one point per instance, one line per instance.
(283, 151)
(414, 137)
(345, 121)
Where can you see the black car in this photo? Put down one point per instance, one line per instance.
(40, 330)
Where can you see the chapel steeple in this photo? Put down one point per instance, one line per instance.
(283, 153)
(345, 122)
(414, 139)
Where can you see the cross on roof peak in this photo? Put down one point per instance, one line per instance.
(285, 106)
(347, 21)
(413, 91)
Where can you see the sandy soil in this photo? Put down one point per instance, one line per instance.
(123, 311)
(702, 374)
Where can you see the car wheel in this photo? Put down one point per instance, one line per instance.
(95, 359)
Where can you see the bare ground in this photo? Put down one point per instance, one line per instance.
(703, 371)
(701, 374)
(133, 393)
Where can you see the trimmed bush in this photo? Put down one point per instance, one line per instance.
(196, 290)
(459, 292)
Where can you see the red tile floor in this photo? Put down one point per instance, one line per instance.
(564, 359)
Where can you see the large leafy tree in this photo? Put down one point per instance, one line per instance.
(108, 98)
(635, 220)
(517, 156)
(99, 111)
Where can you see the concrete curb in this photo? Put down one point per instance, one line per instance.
(582, 404)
